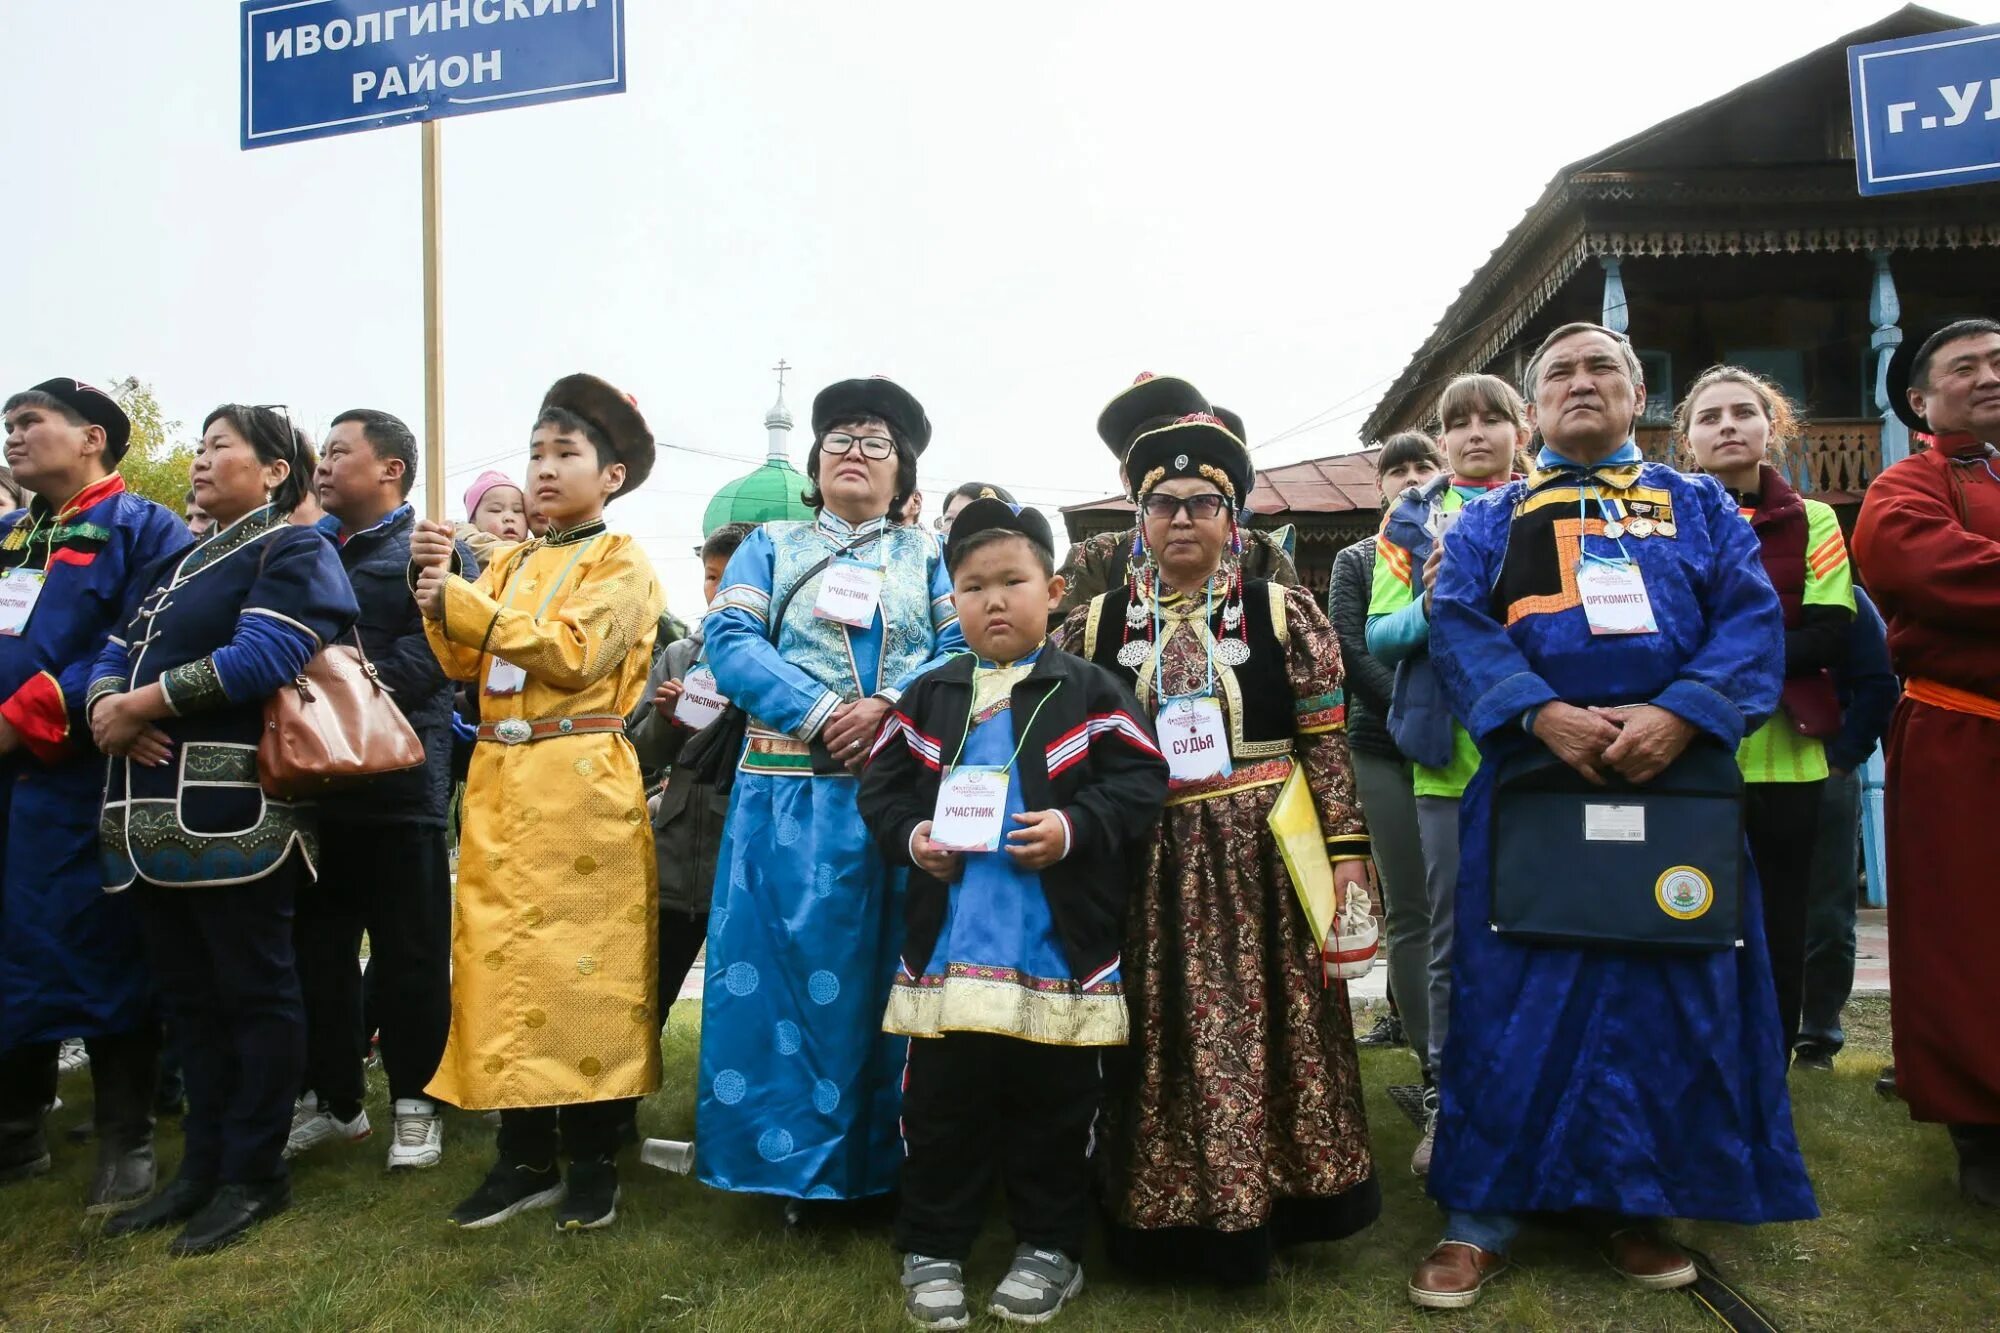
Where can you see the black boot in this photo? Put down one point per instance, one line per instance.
(24, 1149)
(1978, 1163)
(124, 1070)
(233, 1211)
(180, 1200)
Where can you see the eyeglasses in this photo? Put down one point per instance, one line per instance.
(1198, 507)
(876, 447)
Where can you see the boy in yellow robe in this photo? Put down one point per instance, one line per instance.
(554, 1011)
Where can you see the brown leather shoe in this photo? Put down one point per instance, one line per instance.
(1649, 1259)
(1450, 1277)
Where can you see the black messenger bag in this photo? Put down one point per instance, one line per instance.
(1623, 867)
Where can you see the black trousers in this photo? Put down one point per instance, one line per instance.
(1782, 819)
(124, 1070)
(394, 881)
(585, 1131)
(973, 1103)
(681, 938)
(222, 957)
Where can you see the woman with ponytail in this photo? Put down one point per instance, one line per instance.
(177, 702)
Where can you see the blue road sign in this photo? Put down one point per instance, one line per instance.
(313, 68)
(1926, 110)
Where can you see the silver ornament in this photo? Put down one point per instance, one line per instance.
(1232, 652)
(1180, 462)
(1135, 614)
(1132, 654)
(1232, 616)
(1614, 529)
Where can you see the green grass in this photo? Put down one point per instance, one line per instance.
(362, 1250)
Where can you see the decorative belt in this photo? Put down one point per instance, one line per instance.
(520, 731)
(1951, 697)
(1269, 773)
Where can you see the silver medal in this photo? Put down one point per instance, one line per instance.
(1132, 654)
(1614, 529)
(1232, 652)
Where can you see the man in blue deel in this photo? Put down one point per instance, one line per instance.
(70, 958)
(1615, 1052)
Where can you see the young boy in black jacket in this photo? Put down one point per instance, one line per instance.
(1016, 780)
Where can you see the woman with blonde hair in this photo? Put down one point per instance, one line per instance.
(1736, 426)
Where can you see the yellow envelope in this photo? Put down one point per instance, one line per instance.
(1294, 821)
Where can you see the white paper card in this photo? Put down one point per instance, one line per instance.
(503, 677)
(20, 589)
(1613, 823)
(971, 809)
(1193, 738)
(849, 593)
(701, 702)
(1614, 597)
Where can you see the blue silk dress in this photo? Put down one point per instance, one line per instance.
(1644, 1085)
(799, 1087)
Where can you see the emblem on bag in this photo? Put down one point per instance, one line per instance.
(1684, 893)
(512, 731)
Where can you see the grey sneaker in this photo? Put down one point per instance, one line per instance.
(1036, 1286)
(934, 1292)
(1420, 1160)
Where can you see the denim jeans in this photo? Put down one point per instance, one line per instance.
(1491, 1232)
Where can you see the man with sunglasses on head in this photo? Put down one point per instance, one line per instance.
(70, 955)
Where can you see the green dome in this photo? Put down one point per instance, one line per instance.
(770, 493)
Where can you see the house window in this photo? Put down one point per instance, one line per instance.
(1658, 368)
(1783, 366)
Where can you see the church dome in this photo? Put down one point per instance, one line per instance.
(770, 493)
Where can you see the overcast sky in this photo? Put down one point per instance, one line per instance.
(1011, 209)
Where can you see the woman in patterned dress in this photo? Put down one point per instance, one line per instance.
(1238, 1128)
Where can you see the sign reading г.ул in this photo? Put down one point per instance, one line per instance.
(1926, 110)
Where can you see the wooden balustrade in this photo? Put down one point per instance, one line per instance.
(1837, 453)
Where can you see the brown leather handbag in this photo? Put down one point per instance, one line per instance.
(332, 725)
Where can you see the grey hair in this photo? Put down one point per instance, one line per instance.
(1531, 382)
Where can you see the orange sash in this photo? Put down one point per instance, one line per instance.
(1951, 697)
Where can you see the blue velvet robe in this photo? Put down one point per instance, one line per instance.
(800, 1088)
(71, 964)
(1637, 1084)
(219, 628)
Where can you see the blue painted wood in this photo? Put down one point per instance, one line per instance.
(1617, 315)
(1885, 309)
(1874, 837)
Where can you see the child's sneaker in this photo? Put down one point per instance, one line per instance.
(313, 1125)
(509, 1188)
(1036, 1286)
(593, 1197)
(934, 1292)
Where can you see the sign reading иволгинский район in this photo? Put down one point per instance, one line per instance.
(1926, 110)
(312, 68)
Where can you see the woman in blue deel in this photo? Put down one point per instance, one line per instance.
(798, 1092)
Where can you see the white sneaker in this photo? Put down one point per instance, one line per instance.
(72, 1056)
(314, 1127)
(417, 1138)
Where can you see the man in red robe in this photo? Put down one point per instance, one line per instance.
(1928, 546)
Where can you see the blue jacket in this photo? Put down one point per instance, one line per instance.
(1868, 689)
(1419, 717)
(377, 561)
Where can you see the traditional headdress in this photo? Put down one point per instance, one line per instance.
(877, 397)
(616, 416)
(990, 512)
(1150, 400)
(96, 407)
(1195, 445)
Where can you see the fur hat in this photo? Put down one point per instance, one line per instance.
(878, 397)
(1149, 401)
(616, 415)
(1196, 445)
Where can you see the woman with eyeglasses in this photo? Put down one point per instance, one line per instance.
(177, 702)
(1237, 1128)
(816, 630)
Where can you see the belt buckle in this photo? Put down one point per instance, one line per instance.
(512, 731)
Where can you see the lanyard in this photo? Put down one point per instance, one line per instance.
(514, 583)
(1160, 643)
(1019, 741)
(1583, 530)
